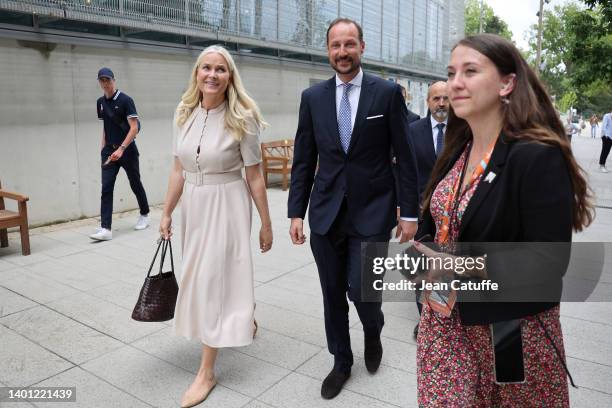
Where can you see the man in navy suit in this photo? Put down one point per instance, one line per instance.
(428, 140)
(427, 134)
(342, 170)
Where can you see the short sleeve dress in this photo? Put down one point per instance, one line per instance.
(215, 302)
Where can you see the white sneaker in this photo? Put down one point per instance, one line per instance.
(603, 169)
(142, 223)
(102, 234)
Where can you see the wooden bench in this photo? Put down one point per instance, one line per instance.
(277, 157)
(9, 219)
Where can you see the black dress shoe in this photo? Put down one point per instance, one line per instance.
(372, 354)
(416, 331)
(332, 384)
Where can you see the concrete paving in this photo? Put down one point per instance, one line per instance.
(65, 321)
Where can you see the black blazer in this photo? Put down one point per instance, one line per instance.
(424, 150)
(363, 175)
(529, 200)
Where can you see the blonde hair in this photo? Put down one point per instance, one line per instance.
(241, 108)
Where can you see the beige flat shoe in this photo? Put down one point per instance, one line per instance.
(199, 400)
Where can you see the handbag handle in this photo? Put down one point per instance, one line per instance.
(163, 244)
(167, 244)
(159, 244)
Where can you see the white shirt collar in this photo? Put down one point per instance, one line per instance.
(435, 123)
(355, 81)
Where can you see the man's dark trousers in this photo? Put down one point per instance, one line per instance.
(338, 254)
(129, 162)
(606, 144)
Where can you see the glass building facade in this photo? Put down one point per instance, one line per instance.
(402, 36)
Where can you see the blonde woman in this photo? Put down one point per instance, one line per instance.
(216, 134)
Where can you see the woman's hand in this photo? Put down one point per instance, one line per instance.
(265, 238)
(165, 226)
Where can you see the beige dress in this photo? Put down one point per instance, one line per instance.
(216, 296)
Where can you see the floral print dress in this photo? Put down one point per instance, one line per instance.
(455, 362)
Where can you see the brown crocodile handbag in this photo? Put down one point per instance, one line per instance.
(157, 297)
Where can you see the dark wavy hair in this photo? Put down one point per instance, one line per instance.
(530, 115)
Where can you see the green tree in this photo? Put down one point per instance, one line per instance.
(556, 64)
(576, 49)
(605, 7)
(491, 23)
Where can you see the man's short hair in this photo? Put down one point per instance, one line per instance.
(347, 21)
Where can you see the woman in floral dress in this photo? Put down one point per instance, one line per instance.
(507, 174)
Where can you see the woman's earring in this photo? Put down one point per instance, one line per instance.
(505, 100)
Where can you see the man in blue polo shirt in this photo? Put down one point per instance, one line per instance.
(118, 149)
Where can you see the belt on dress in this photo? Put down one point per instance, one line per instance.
(200, 179)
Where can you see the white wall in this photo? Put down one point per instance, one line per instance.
(50, 135)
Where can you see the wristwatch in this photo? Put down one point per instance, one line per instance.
(122, 147)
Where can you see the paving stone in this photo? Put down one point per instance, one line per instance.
(595, 376)
(10, 302)
(280, 350)
(12, 254)
(46, 245)
(78, 278)
(235, 370)
(266, 272)
(25, 363)
(587, 341)
(291, 324)
(37, 288)
(105, 317)
(63, 336)
(120, 293)
(598, 312)
(104, 266)
(154, 381)
(584, 397)
(91, 392)
(257, 404)
(390, 385)
(300, 391)
(11, 273)
(4, 265)
(138, 258)
(304, 283)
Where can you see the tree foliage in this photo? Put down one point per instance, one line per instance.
(491, 23)
(576, 49)
(604, 5)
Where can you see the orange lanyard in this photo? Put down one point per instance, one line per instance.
(452, 202)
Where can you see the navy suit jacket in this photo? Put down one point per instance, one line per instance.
(424, 150)
(363, 175)
(412, 116)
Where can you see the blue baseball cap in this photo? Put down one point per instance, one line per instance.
(106, 73)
